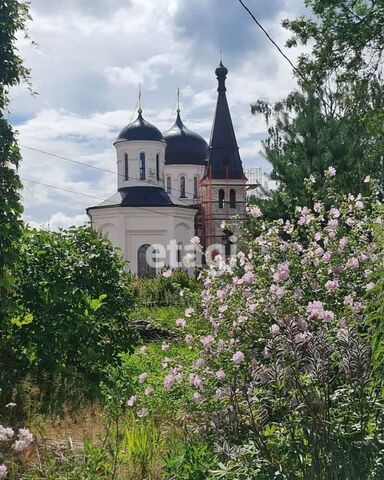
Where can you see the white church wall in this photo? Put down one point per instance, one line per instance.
(128, 228)
(189, 172)
(133, 149)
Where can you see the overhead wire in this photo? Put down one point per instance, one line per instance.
(84, 164)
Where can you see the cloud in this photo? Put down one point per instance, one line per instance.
(59, 220)
(91, 57)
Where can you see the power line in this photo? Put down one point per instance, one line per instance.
(59, 188)
(78, 162)
(295, 69)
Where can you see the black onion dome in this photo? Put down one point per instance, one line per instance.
(184, 147)
(140, 129)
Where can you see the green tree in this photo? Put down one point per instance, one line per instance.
(336, 116)
(73, 297)
(13, 18)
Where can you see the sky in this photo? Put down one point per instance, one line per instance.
(89, 59)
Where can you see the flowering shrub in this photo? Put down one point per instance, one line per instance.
(283, 365)
(19, 446)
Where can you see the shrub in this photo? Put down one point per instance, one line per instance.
(283, 383)
(72, 304)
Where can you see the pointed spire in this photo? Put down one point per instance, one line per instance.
(178, 100)
(140, 109)
(224, 160)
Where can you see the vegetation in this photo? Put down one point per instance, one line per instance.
(336, 116)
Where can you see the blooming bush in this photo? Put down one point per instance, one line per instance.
(283, 377)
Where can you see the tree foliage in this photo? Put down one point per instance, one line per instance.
(73, 298)
(336, 117)
(13, 18)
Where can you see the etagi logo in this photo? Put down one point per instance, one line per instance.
(174, 255)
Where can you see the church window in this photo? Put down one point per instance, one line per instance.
(195, 187)
(179, 252)
(142, 166)
(221, 198)
(126, 166)
(182, 187)
(146, 259)
(157, 167)
(232, 198)
(169, 185)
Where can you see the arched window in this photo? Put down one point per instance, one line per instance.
(142, 166)
(126, 166)
(232, 198)
(221, 198)
(179, 252)
(195, 187)
(144, 254)
(182, 187)
(157, 167)
(169, 185)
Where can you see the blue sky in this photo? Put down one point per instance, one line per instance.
(90, 58)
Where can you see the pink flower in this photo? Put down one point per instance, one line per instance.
(195, 240)
(143, 377)
(277, 290)
(220, 374)
(131, 401)
(189, 312)
(169, 381)
(199, 363)
(143, 412)
(148, 391)
(165, 362)
(328, 316)
(331, 171)
(195, 381)
(359, 205)
(207, 342)
(188, 339)
(332, 284)
(180, 322)
(317, 207)
(167, 273)
(255, 212)
(238, 357)
(275, 329)
(248, 277)
(164, 347)
(220, 294)
(282, 272)
(315, 309)
(3, 471)
(369, 286)
(353, 263)
(335, 212)
(220, 394)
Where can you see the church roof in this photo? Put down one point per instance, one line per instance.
(184, 147)
(140, 129)
(224, 160)
(148, 196)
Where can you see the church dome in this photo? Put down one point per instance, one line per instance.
(140, 129)
(184, 147)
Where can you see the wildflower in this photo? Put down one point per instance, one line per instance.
(248, 277)
(189, 312)
(312, 179)
(335, 212)
(367, 179)
(143, 350)
(331, 171)
(238, 357)
(199, 363)
(167, 273)
(328, 316)
(6, 433)
(220, 374)
(164, 347)
(25, 439)
(274, 329)
(131, 401)
(195, 381)
(369, 286)
(143, 412)
(143, 377)
(353, 263)
(220, 394)
(315, 309)
(180, 322)
(255, 212)
(332, 284)
(277, 290)
(282, 272)
(197, 397)
(188, 339)
(169, 381)
(359, 205)
(10, 405)
(165, 362)
(195, 240)
(3, 471)
(148, 391)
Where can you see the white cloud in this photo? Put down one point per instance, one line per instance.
(91, 57)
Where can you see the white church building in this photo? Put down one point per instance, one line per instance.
(171, 187)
